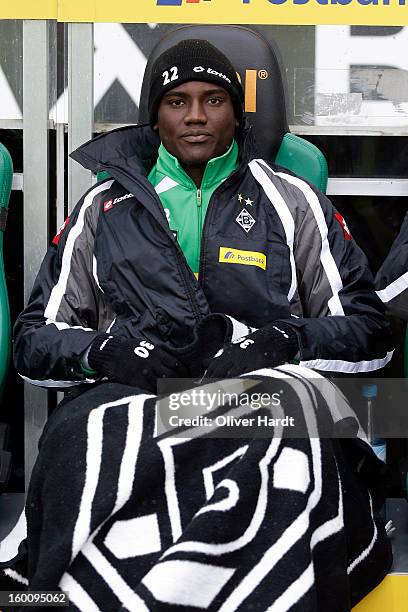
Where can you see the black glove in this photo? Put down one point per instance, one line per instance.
(136, 362)
(209, 336)
(267, 347)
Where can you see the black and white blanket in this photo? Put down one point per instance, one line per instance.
(124, 517)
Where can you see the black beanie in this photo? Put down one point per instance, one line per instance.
(193, 60)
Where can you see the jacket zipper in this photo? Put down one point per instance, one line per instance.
(183, 268)
(206, 221)
(199, 220)
(182, 264)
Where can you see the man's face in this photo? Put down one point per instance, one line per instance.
(196, 122)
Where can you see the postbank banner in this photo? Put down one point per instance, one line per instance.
(304, 12)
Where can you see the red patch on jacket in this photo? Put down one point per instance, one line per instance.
(343, 224)
(56, 238)
(107, 205)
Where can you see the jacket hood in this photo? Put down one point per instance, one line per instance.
(133, 149)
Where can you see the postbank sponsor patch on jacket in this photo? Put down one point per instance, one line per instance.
(244, 258)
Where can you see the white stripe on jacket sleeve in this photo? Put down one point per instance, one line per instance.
(348, 367)
(59, 289)
(335, 281)
(284, 214)
(399, 285)
(326, 256)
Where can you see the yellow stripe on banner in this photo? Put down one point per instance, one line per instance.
(236, 11)
(304, 12)
(93, 10)
(390, 596)
(29, 9)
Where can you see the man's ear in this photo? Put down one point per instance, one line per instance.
(155, 127)
(236, 123)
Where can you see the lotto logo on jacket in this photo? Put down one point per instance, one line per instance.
(244, 258)
(110, 203)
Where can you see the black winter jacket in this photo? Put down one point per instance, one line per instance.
(117, 266)
(392, 278)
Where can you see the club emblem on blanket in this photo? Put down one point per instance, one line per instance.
(229, 523)
(245, 220)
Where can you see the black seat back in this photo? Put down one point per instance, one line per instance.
(257, 62)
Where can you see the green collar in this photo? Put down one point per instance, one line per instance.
(216, 171)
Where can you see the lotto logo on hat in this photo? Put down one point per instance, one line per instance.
(212, 71)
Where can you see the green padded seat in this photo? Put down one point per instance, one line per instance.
(6, 177)
(304, 159)
(101, 176)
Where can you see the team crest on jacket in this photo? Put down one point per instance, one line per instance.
(245, 220)
(343, 224)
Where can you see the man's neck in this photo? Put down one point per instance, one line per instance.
(196, 174)
(203, 176)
